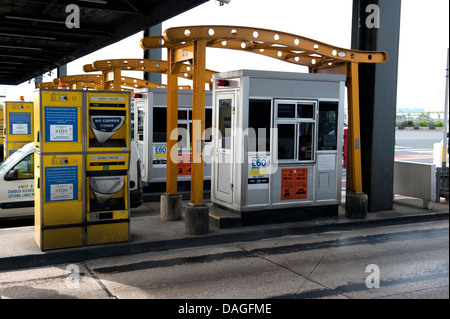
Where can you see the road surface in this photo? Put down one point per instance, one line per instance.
(406, 261)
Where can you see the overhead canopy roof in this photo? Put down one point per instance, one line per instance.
(34, 38)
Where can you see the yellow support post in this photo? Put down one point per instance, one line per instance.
(172, 123)
(198, 120)
(117, 79)
(354, 138)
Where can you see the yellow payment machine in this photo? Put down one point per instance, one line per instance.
(59, 187)
(17, 126)
(77, 197)
(107, 161)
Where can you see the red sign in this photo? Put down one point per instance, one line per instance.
(294, 183)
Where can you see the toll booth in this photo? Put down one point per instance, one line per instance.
(82, 141)
(278, 144)
(18, 126)
(150, 133)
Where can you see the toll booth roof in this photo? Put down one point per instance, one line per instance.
(280, 74)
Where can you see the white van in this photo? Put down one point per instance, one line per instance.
(17, 182)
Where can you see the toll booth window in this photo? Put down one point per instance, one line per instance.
(286, 110)
(259, 125)
(208, 125)
(159, 125)
(286, 141)
(184, 136)
(296, 125)
(225, 106)
(140, 123)
(183, 115)
(305, 111)
(328, 126)
(305, 141)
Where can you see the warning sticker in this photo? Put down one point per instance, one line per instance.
(184, 164)
(294, 183)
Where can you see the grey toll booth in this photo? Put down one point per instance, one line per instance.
(150, 133)
(277, 145)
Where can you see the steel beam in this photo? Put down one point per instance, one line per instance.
(378, 95)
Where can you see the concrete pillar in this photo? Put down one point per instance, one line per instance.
(154, 54)
(196, 219)
(376, 27)
(170, 207)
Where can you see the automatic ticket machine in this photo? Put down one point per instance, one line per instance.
(107, 162)
(277, 145)
(151, 133)
(82, 141)
(17, 126)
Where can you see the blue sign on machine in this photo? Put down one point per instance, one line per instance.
(61, 124)
(19, 123)
(61, 183)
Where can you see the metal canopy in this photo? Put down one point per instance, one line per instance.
(34, 38)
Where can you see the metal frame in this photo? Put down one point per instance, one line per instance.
(188, 44)
(111, 76)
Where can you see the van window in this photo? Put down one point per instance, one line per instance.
(25, 168)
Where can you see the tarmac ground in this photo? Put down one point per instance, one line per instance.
(149, 233)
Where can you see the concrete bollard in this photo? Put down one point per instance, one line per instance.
(356, 205)
(170, 207)
(196, 219)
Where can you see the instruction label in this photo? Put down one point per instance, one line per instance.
(294, 183)
(61, 124)
(61, 183)
(19, 123)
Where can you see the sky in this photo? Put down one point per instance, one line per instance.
(424, 39)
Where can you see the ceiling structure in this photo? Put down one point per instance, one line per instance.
(35, 38)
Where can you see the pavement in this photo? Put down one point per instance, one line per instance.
(148, 233)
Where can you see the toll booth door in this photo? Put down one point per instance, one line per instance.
(224, 150)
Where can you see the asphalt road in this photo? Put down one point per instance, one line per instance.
(416, 145)
(402, 262)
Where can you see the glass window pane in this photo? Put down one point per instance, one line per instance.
(225, 106)
(182, 114)
(208, 125)
(259, 113)
(25, 168)
(305, 111)
(328, 121)
(183, 136)
(305, 141)
(286, 141)
(286, 110)
(140, 124)
(159, 125)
